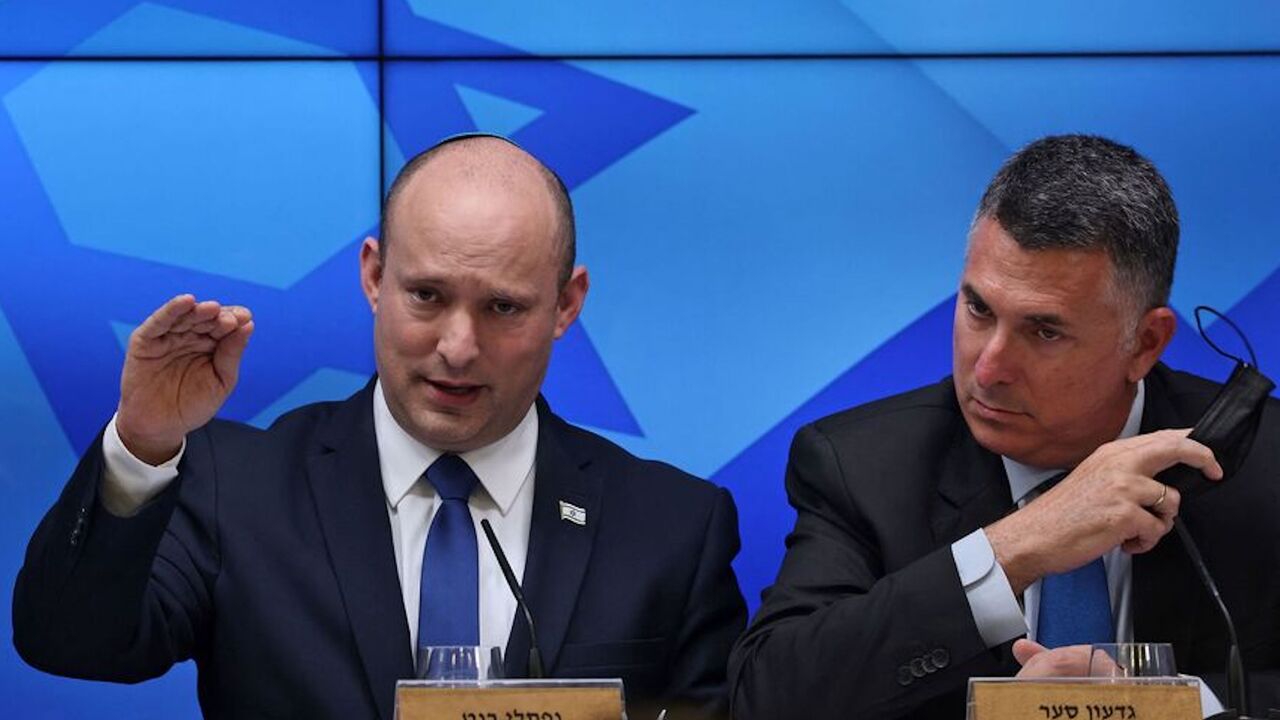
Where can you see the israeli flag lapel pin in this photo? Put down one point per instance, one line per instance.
(573, 513)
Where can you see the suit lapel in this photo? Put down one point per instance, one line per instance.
(973, 490)
(344, 476)
(558, 549)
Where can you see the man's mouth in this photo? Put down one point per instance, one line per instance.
(992, 410)
(453, 393)
(453, 389)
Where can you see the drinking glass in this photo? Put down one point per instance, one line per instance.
(1124, 660)
(459, 662)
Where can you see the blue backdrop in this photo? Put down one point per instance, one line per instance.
(772, 198)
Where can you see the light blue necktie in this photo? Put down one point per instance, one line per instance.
(1075, 606)
(449, 596)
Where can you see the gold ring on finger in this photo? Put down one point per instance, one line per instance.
(1164, 490)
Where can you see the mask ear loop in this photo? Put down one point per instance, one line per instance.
(1199, 326)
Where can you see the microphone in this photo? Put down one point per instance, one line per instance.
(535, 656)
(1237, 687)
(1227, 427)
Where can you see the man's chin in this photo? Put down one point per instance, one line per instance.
(997, 437)
(449, 432)
(1035, 451)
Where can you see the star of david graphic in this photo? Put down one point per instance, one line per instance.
(68, 304)
(584, 124)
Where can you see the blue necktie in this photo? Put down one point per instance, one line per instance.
(449, 596)
(1075, 606)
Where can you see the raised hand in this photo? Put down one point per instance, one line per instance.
(1110, 499)
(181, 365)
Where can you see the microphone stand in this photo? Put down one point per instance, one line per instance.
(1237, 679)
(535, 655)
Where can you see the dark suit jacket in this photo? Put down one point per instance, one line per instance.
(869, 586)
(270, 562)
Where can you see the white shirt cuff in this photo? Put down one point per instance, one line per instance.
(127, 482)
(991, 600)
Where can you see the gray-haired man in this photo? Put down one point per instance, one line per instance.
(928, 543)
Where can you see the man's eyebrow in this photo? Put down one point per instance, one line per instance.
(972, 295)
(425, 277)
(428, 278)
(1045, 319)
(513, 294)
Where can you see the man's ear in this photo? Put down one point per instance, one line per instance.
(370, 272)
(1155, 330)
(572, 296)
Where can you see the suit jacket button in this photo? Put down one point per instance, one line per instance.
(905, 677)
(917, 667)
(940, 657)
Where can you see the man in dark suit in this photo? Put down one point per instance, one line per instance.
(303, 567)
(928, 546)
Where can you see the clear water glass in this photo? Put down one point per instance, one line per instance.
(1124, 660)
(459, 662)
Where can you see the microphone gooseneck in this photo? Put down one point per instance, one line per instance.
(535, 656)
(1237, 690)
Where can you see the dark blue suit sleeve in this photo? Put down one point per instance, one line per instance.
(120, 599)
(714, 616)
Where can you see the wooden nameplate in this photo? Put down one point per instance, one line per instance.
(1084, 699)
(509, 700)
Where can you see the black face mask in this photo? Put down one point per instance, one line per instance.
(1230, 423)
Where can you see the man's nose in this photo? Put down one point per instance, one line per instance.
(996, 363)
(458, 344)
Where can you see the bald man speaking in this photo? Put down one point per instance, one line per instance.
(302, 566)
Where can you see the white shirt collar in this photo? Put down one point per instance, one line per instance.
(502, 466)
(1025, 478)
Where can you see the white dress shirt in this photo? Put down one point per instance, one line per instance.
(504, 497)
(995, 608)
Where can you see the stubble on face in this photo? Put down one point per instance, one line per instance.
(1038, 350)
(466, 307)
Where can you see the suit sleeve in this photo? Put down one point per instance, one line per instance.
(837, 635)
(714, 617)
(122, 599)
